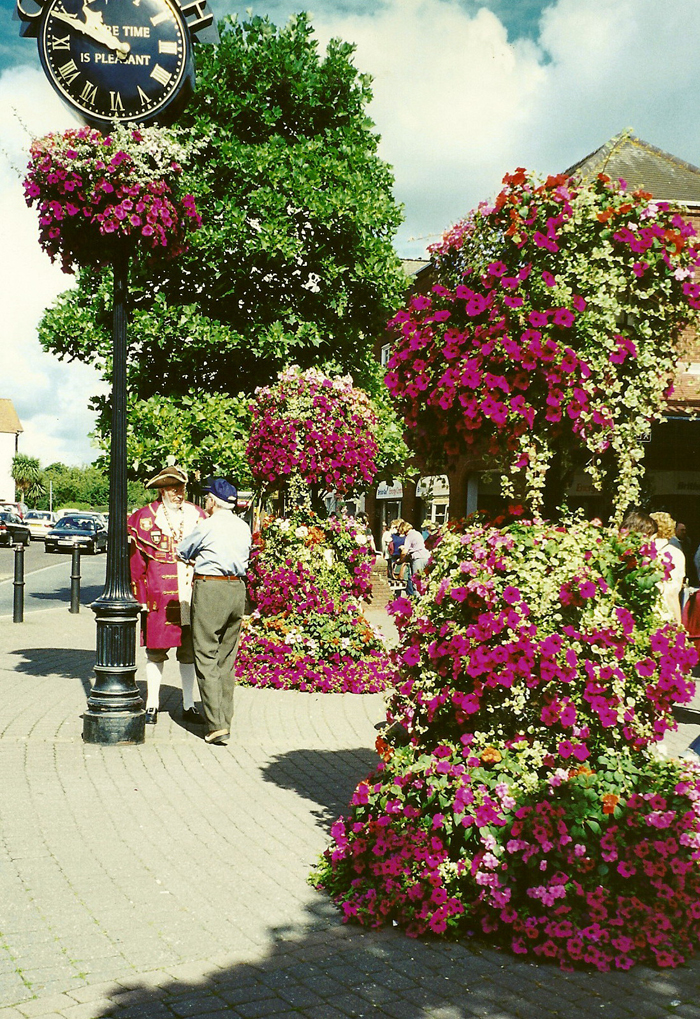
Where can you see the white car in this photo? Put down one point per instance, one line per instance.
(39, 523)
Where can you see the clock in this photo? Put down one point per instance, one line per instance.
(118, 61)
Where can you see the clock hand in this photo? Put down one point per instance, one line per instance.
(100, 35)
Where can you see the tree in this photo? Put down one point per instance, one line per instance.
(294, 262)
(551, 335)
(27, 476)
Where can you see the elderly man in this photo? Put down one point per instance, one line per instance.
(162, 583)
(219, 549)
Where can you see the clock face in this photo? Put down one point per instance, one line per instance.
(116, 61)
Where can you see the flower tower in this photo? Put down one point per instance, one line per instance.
(313, 434)
(527, 799)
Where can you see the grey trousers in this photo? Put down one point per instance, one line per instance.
(217, 610)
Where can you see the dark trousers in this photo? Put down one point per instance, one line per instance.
(217, 611)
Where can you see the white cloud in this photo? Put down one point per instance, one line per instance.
(458, 104)
(49, 396)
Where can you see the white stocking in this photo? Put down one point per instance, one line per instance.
(187, 680)
(154, 674)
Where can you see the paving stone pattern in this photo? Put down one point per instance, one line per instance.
(170, 879)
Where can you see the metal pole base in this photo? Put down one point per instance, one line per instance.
(119, 728)
(115, 711)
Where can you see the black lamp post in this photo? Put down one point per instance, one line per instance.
(115, 709)
(148, 81)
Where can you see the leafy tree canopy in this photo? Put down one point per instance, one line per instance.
(294, 262)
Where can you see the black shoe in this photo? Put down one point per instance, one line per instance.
(151, 716)
(192, 716)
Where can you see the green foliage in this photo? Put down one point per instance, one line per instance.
(26, 474)
(205, 434)
(294, 262)
(85, 487)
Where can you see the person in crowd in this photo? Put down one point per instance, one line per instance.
(671, 587)
(414, 554)
(219, 550)
(397, 540)
(640, 522)
(387, 549)
(363, 521)
(163, 586)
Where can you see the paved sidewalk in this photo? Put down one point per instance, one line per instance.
(171, 879)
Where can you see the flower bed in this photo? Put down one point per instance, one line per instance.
(530, 805)
(307, 630)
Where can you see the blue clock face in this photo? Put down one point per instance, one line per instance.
(117, 61)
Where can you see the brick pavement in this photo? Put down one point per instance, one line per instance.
(171, 879)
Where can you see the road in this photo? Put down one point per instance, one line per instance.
(47, 578)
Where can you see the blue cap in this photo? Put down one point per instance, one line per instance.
(221, 489)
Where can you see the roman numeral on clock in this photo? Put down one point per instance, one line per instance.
(89, 92)
(158, 19)
(62, 43)
(161, 75)
(69, 71)
(115, 102)
(142, 96)
(167, 47)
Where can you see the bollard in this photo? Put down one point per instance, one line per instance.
(18, 602)
(75, 579)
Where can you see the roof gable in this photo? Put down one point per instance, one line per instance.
(642, 165)
(9, 422)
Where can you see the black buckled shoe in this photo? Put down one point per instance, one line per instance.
(192, 716)
(151, 716)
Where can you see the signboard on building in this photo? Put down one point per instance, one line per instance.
(387, 491)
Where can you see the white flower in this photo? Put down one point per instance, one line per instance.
(301, 531)
(328, 556)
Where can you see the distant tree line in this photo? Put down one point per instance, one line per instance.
(59, 486)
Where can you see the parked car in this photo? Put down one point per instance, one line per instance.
(12, 530)
(39, 523)
(18, 508)
(90, 535)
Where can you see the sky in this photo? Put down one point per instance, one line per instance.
(464, 91)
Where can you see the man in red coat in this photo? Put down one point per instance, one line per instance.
(163, 585)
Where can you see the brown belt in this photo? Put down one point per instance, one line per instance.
(207, 576)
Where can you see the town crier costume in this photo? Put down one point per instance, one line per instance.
(163, 585)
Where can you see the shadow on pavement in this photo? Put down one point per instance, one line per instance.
(328, 971)
(88, 594)
(326, 777)
(66, 663)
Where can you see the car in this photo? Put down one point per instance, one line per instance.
(89, 534)
(39, 523)
(12, 530)
(18, 508)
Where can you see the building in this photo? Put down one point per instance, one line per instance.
(10, 428)
(673, 449)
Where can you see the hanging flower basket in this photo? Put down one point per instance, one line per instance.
(98, 195)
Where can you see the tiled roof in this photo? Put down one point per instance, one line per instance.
(9, 422)
(642, 165)
(411, 266)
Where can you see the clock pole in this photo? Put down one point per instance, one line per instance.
(115, 709)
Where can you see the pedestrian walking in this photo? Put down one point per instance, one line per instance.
(414, 554)
(163, 585)
(219, 549)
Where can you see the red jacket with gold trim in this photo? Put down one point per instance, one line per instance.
(154, 574)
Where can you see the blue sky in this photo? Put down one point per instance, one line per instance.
(463, 92)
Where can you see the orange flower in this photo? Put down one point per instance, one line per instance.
(609, 801)
(491, 756)
(582, 769)
(384, 749)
